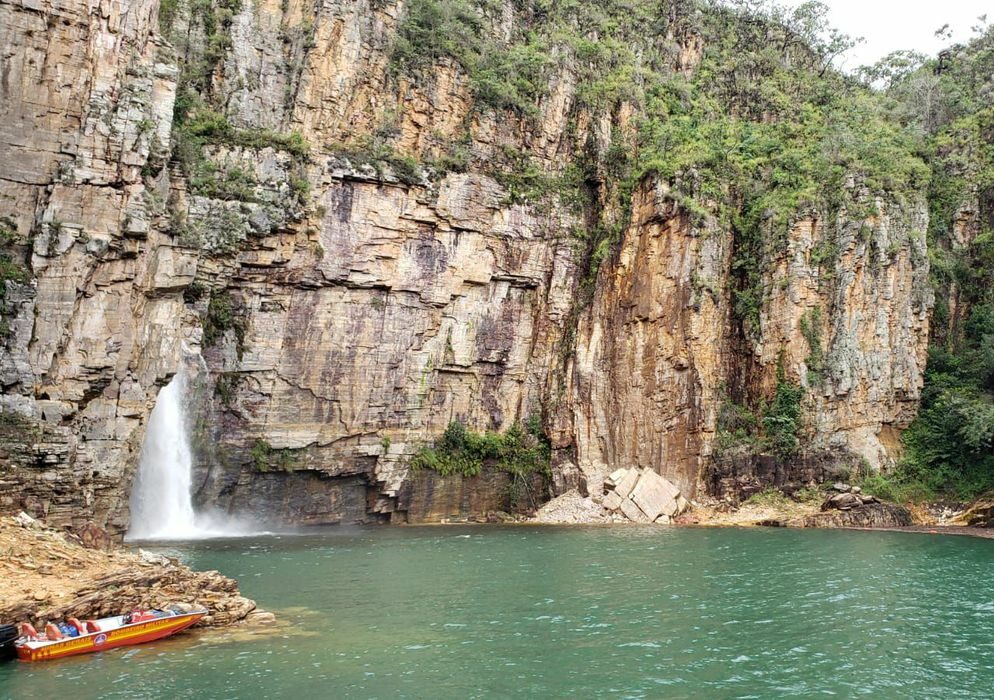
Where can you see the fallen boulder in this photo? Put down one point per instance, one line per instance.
(847, 500)
(633, 512)
(627, 483)
(655, 496)
(643, 496)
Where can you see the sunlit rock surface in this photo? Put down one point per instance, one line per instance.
(366, 308)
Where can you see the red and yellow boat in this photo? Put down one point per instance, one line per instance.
(74, 637)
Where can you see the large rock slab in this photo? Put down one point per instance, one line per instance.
(626, 483)
(633, 512)
(655, 496)
(612, 501)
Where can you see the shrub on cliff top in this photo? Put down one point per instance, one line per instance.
(432, 30)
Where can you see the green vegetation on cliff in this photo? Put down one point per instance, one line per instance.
(201, 31)
(223, 315)
(735, 109)
(265, 458)
(761, 133)
(948, 101)
(777, 430)
(519, 451)
(12, 270)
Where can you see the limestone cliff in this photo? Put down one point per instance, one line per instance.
(350, 256)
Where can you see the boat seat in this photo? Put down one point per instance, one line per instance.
(92, 626)
(52, 632)
(141, 616)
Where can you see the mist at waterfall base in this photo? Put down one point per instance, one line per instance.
(161, 498)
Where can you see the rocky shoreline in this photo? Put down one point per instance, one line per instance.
(48, 575)
(838, 506)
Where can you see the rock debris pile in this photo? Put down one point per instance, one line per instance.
(630, 495)
(846, 497)
(848, 506)
(643, 496)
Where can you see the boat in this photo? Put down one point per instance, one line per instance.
(73, 637)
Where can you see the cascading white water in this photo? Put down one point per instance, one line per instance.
(161, 502)
(162, 495)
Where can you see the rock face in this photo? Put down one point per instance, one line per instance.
(876, 515)
(47, 577)
(651, 350)
(415, 313)
(87, 97)
(340, 312)
(427, 497)
(736, 477)
(979, 514)
(658, 350)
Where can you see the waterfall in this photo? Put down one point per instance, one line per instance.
(161, 501)
(162, 495)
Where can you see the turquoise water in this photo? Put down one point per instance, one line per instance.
(448, 612)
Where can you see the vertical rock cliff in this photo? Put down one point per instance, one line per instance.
(91, 316)
(352, 246)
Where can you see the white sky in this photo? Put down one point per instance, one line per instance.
(888, 25)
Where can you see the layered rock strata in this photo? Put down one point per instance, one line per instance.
(48, 576)
(341, 313)
(874, 515)
(658, 351)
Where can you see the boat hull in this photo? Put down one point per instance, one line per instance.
(127, 635)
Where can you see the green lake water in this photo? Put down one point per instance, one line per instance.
(624, 612)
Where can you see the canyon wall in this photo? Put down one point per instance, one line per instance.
(659, 355)
(93, 325)
(340, 309)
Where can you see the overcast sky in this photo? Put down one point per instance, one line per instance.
(888, 25)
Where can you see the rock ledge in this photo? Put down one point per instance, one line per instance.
(48, 575)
